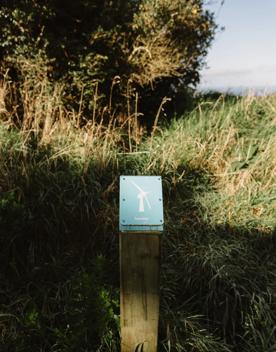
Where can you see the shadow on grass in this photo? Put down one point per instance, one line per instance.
(218, 281)
(60, 273)
(58, 256)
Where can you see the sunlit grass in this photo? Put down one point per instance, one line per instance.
(59, 224)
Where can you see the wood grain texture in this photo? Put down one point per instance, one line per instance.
(139, 265)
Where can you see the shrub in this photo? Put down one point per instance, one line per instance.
(155, 46)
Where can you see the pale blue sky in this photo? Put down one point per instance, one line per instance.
(244, 54)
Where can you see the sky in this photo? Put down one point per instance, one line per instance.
(243, 56)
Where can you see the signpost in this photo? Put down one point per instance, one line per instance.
(141, 223)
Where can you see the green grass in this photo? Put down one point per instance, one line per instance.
(59, 230)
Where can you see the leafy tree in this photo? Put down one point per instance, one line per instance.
(154, 46)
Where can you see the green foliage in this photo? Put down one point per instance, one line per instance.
(172, 38)
(87, 314)
(59, 245)
(155, 47)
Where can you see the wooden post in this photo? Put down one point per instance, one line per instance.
(139, 264)
(141, 224)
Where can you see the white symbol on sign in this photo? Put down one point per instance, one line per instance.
(142, 195)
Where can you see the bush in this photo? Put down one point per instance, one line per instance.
(156, 46)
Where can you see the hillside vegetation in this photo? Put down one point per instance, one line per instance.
(103, 48)
(59, 225)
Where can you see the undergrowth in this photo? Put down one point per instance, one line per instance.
(59, 226)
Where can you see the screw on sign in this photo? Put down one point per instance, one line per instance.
(141, 223)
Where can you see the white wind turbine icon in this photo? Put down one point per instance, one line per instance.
(142, 195)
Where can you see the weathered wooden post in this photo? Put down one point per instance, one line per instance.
(141, 223)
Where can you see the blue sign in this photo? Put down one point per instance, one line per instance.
(141, 204)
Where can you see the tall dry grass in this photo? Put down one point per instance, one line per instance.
(58, 221)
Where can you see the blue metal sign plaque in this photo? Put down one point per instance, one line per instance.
(141, 204)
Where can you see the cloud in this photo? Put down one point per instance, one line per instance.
(264, 76)
(227, 73)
